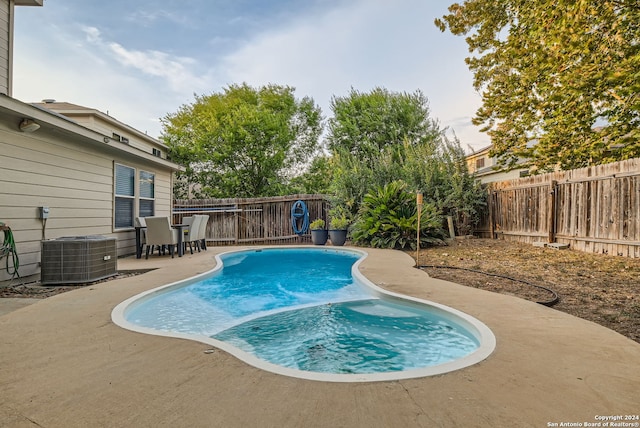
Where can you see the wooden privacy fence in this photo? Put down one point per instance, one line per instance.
(594, 209)
(251, 221)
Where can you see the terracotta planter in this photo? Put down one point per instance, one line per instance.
(319, 236)
(338, 237)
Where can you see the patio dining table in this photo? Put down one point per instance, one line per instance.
(180, 228)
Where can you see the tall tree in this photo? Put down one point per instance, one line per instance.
(365, 123)
(550, 72)
(242, 142)
(316, 179)
(380, 137)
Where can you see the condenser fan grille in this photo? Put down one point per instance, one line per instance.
(78, 259)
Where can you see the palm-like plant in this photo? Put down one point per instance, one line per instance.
(388, 218)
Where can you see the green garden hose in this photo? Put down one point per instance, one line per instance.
(9, 251)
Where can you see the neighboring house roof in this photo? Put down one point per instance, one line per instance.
(50, 121)
(72, 111)
(480, 151)
(486, 169)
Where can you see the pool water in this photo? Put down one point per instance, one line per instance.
(367, 336)
(308, 310)
(250, 285)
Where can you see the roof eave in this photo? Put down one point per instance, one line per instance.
(85, 111)
(29, 2)
(55, 123)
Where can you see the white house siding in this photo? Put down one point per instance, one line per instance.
(106, 125)
(5, 46)
(105, 128)
(75, 181)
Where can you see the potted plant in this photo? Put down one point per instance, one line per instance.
(319, 234)
(338, 230)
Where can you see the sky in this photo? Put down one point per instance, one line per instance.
(141, 60)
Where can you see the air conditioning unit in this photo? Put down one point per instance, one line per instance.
(78, 259)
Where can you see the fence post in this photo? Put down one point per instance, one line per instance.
(452, 230)
(236, 221)
(492, 227)
(419, 209)
(552, 211)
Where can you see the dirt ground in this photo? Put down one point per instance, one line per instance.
(600, 288)
(33, 290)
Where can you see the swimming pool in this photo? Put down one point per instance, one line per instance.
(308, 312)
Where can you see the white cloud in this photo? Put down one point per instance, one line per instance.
(159, 64)
(93, 34)
(172, 69)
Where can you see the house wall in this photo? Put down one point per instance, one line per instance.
(6, 40)
(5, 46)
(75, 180)
(489, 172)
(106, 128)
(497, 175)
(106, 125)
(474, 157)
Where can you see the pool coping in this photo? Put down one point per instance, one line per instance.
(482, 333)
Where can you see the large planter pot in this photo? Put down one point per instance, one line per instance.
(338, 237)
(319, 236)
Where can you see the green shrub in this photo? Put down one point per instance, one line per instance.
(388, 219)
(339, 223)
(437, 169)
(317, 224)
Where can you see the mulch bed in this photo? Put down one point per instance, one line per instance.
(600, 288)
(38, 291)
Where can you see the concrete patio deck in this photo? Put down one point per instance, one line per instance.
(63, 363)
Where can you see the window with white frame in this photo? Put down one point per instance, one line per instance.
(147, 194)
(124, 196)
(133, 199)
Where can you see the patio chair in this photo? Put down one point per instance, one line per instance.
(160, 234)
(202, 232)
(191, 231)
